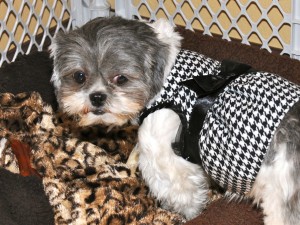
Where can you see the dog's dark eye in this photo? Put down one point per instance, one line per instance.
(120, 80)
(79, 77)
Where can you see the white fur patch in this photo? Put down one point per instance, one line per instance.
(177, 183)
(55, 75)
(55, 79)
(74, 103)
(2, 145)
(166, 34)
(274, 186)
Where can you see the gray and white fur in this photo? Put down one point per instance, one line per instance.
(107, 71)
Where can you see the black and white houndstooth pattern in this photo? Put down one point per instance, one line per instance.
(240, 125)
(188, 64)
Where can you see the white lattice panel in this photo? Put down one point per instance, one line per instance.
(263, 22)
(22, 20)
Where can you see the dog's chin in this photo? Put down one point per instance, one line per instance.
(107, 116)
(103, 118)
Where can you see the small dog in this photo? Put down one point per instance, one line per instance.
(201, 120)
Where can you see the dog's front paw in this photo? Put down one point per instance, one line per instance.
(180, 186)
(187, 191)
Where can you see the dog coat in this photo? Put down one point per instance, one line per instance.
(174, 94)
(238, 128)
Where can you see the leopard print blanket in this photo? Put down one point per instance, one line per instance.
(84, 173)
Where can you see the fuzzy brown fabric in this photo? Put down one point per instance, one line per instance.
(222, 212)
(35, 68)
(84, 184)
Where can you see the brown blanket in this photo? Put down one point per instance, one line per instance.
(83, 182)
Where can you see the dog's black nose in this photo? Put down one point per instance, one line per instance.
(97, 98)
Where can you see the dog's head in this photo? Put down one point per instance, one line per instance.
(107, 71)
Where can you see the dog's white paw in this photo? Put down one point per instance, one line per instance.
(186, 189)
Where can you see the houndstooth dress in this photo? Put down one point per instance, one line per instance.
(174, 94)
(239, 127)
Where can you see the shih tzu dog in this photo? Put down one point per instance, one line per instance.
(202, 121)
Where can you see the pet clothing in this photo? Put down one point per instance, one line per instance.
(175, 95)
(238, 127)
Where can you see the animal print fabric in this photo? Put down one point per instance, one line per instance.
(86, 183)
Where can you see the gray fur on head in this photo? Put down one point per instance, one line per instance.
(102, 49)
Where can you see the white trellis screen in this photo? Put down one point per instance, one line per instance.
(247, 19)
(22, 21)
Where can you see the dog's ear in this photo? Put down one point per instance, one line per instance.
(53, 49)
(55, 43)
(167, 35)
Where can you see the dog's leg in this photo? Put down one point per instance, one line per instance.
(278, 183)
(179, 185)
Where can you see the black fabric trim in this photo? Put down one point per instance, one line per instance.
(191, 136)
(210, 84)
(146, 112)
